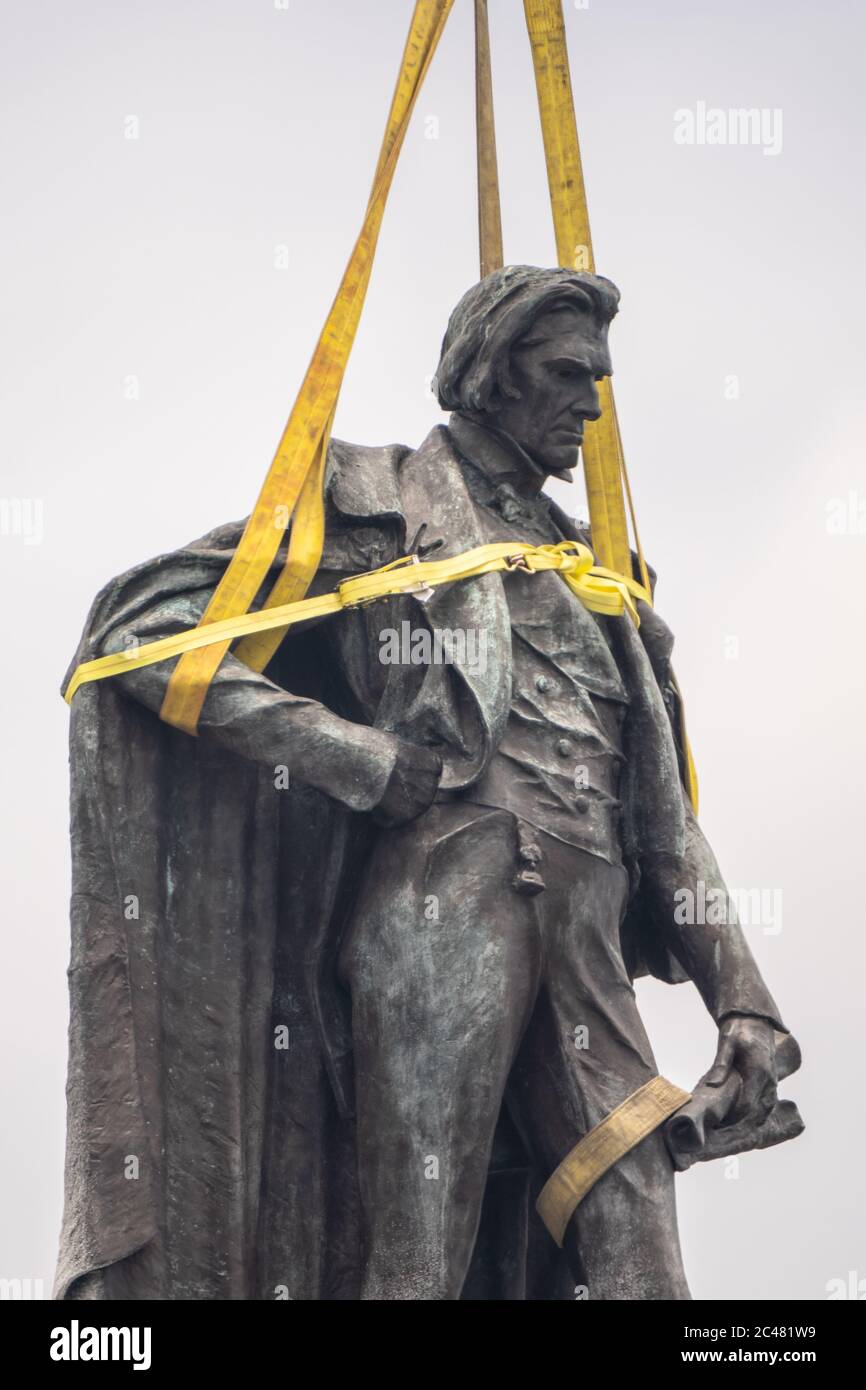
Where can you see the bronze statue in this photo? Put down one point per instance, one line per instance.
(352, 970)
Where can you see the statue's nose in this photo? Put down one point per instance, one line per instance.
(586, 410)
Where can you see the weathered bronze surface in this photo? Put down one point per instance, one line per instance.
(352, 970)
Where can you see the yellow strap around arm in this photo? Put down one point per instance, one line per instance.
(615, 1136)
(596, 587)
(301, 448)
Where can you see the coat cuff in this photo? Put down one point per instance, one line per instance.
(754, 1009)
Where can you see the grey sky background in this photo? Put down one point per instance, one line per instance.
(150, 267)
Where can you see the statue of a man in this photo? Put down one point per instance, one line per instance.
(388, 907)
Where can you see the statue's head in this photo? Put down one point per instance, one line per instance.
(523, 352)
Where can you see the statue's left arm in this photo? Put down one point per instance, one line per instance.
(716, 956)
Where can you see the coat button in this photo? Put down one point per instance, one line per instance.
(542, 683)
(581, 805)
(563, 747)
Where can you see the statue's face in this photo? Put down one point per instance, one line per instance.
(555, 368)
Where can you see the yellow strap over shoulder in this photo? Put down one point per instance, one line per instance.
(607, 483)
(603, 458)
(598, 588)
(297, 466)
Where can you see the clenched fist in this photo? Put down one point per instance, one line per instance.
(411, 787)
(746, 1046)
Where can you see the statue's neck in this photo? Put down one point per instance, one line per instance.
(495, 454)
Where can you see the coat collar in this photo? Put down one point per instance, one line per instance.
(493, 453)
(361, 481)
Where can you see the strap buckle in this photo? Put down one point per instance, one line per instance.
(422, 592)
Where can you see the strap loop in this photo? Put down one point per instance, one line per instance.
(597, 588)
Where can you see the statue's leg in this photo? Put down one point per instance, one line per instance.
(443, 965)
(585, 1051)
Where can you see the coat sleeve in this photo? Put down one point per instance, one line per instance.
(249, 715)
(695, 916)
(685, 917)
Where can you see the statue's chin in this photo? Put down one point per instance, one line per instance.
(562, 458)
(561, 463)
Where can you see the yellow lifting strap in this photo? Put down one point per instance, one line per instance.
(603, 459)
(607, 483)
(489, 213)
(292, 493)
(599, 589)
(298, 466)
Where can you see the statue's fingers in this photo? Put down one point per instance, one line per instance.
(757, 1094)
(768, 1098)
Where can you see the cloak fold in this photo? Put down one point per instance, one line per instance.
(180, 1092)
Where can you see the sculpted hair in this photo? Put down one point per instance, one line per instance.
(475, 362)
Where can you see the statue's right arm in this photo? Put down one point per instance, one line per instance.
(249, 715)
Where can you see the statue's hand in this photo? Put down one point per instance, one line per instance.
(746, 1046)
(411, 787)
